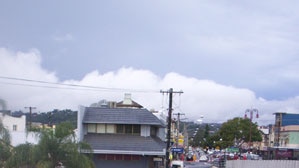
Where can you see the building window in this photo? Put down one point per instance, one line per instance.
(136, 129)
(14, 127)
(153, 131)
(110, 157)
(120, 129)
(110, 128)
(91, 128)
(128, 129)
(118, 157)
(101, 128)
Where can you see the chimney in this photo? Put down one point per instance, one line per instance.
(127, 99)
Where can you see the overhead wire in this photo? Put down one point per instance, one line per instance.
(71, 86)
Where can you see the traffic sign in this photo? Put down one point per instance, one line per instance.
(177, 150)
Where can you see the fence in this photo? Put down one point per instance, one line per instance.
(262, 164)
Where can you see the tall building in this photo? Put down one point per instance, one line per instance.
(286, 136)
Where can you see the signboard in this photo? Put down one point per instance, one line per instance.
(232, 150)
(177, 150)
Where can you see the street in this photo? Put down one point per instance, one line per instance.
(197, 164)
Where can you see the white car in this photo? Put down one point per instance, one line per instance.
(177, 164)
(203, 158)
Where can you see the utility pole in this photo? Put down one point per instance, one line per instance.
(178, 126)
(251, 111)
(30, 114)
(170, 92)
(178, 132)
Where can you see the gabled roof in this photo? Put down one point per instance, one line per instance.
(125, 144)
(132, 104)
(128, 102)
(120, 116)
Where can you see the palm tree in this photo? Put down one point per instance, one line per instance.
(56, 146)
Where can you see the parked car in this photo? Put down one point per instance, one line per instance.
(177, 164)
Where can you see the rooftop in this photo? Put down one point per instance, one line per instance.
(125, 144)
(120, 116)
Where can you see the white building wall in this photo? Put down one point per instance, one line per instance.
(80, 127)
(18, 138)
(17, 130)
(10, 122)
(161, 134)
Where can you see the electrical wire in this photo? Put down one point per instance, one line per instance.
(71, 86)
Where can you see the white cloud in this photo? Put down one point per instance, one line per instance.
(216, 102)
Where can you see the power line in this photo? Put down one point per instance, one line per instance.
(71, 86)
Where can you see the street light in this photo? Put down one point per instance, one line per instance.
(251, 111)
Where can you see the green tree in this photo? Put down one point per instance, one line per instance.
(207, 131)
(59, 145)
(237, 131)
(4, 134)
(23, 154)
(4, 144)
(55, 145)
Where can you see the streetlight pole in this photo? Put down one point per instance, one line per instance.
(251, 111)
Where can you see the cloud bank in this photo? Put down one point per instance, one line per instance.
(215, 102)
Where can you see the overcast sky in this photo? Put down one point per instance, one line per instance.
(226, 56)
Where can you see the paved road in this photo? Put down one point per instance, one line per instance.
(197, 165)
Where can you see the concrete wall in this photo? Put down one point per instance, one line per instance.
(262, 163)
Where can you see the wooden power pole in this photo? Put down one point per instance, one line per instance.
(30, 115)
(170, 92)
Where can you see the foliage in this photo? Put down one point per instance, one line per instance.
(22, 155)
(207, 133)
(202, 133)
(4, 134)
(237, 131)
(55, 117)
(234, 132)
(4, 153)
(4, 144)
(55, 145)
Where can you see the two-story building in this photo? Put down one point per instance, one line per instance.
(122, 136)
(285, 142)
(17, 128)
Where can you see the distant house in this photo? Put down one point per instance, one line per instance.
(17, 128)
(122, 136)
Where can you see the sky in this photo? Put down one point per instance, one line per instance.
(226, 56)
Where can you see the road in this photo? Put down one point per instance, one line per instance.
(197, 164)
